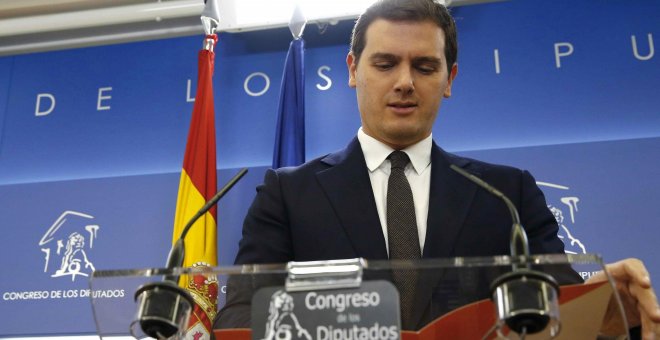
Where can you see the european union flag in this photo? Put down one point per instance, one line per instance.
(290, 134)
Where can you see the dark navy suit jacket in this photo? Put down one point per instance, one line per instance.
(325, 209)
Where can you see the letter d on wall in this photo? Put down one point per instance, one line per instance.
(50, 109)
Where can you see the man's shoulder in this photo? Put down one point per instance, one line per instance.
(479, 167)
(510, 180)
(309, 167)
(350, 157)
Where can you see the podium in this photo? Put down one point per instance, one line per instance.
(453, 298)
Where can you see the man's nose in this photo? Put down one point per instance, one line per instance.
(405, 82)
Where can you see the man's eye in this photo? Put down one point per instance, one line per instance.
(383, 66)
(426, 69)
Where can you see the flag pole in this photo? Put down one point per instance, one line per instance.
(198, 185)
(289, 146)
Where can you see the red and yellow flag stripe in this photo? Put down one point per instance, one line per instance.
(197, 185)
(198, 182)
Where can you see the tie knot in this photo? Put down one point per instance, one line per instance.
(399, 159)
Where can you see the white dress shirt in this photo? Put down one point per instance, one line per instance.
(418, 173)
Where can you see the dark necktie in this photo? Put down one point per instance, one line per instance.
(402, 234)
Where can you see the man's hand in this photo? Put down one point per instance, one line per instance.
(640, 303)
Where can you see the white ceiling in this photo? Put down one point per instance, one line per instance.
(18, 8)
(40, 25)
(28, 26)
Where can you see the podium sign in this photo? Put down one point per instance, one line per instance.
(368, 312)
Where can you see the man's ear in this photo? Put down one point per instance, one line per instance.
(351, 63)
(450, 81)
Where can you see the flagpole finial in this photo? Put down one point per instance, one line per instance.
(211, 16)
(297, 22)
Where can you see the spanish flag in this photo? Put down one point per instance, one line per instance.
(197, 185)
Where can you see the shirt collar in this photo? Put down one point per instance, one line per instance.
(376, 152)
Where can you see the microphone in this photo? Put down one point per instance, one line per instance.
(526, 300)
(177, 253)
(164, 307)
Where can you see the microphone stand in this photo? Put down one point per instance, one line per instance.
(526, 299)
(164, 307)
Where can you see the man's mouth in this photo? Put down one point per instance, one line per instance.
(402, 107)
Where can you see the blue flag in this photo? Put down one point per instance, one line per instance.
(290, 134)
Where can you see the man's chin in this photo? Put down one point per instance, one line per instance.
(404, 138)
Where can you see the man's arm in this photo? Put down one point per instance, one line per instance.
(265, 240)
(266, 234)
(542, 228)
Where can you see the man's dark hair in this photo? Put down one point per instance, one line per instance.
(407, 10)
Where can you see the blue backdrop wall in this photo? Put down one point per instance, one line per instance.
(92, 139)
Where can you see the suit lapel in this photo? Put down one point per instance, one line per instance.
(348, 188)
(450, 199)
(449, 202)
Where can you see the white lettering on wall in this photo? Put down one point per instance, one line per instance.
(102, 97)
(559, 54)
(92, 229)
(247, 80)
(642, 50)
(636, 52)
(50, 109)
(328, 81)
(188, 97)
(47, 252)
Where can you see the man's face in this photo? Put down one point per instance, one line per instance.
(400, 80)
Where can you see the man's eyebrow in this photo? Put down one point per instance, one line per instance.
(428, 60)
(389, 56)
(383, 56)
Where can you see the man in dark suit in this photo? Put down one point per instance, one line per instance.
(402, 64)
(325, 209)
